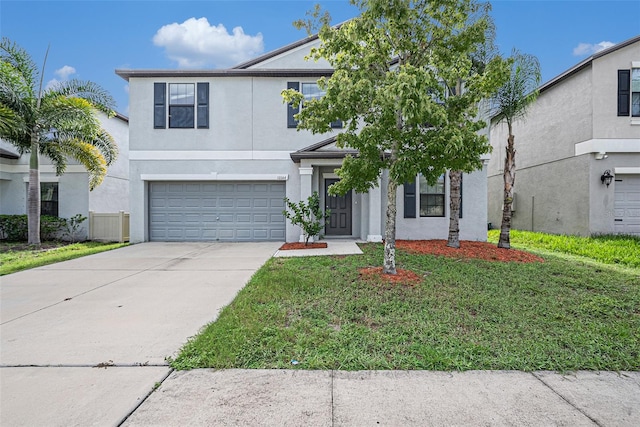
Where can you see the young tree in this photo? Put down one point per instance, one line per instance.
(58, 122)
(389, 64)
(511, 103)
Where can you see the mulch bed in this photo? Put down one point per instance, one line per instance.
(301, 245)
(468, 249)
(404, 277)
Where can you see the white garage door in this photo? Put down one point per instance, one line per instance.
(216, 211)
(627, 204)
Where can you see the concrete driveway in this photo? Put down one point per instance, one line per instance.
(84, 341)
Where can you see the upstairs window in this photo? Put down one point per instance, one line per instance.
(182, 102)
(309, 91)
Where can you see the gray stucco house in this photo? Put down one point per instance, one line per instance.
(213, 153)
(584, 126)
(68, 194)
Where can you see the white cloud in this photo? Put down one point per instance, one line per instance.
(196, 44)
(65, 72)
(590, 49)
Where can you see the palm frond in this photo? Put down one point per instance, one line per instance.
(90, 91)
(87, 155)
(20, 60)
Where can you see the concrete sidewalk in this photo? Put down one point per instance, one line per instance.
(391, 398)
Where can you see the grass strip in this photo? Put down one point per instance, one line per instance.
(608, 249)
(12, 261)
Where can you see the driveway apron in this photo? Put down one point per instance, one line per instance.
(84, 341)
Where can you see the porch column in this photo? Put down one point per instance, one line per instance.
(306, 187)
(375, 214)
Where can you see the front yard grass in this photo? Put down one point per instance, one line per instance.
(318, 313)
(16, 257)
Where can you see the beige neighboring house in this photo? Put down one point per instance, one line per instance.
(577, 151)
(68, 194)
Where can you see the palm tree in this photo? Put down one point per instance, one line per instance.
(511, 103)
(59, 122)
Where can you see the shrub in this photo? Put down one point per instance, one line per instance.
(308, 216)
(14, 228)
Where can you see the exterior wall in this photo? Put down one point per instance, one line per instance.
(113, 194)
(472, 225)
(602, 197)
(606, 123)
(550, 198)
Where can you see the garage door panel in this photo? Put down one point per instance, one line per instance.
(241, 211)
(627, 204)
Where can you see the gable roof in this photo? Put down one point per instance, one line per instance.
(322, 150)
(587, 63)
(274, 53)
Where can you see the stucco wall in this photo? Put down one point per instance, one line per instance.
(113, 194)
(293, 59)
(472, 225)
(551, 198)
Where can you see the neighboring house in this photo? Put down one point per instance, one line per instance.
(213, 153)
(584, 124)
(68, 194)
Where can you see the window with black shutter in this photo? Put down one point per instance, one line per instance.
(624, 86)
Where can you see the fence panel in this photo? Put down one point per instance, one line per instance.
(110, 227)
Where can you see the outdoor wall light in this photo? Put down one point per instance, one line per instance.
(606, 177)
(601, 155)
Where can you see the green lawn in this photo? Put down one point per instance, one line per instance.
(609, 249)
(563, 314)
(16, 257)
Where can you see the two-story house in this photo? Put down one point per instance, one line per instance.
(578, 150)
(213, 153)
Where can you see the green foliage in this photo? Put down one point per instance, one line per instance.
(608, 249)
(464, 315)
(13, 260)
(71, 226)
(13, 228)
(308, 216)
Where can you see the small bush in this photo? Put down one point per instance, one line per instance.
(14, 228)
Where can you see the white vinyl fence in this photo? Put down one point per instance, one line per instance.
(110, 227)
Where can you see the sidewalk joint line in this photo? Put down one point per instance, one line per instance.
(333, 421)
(155, 387)
(596, 422)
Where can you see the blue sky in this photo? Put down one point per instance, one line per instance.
(89, 39)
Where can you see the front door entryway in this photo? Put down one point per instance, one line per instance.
(340, 217)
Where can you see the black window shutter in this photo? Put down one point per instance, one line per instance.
(624, 88)
(203, 105)
(410, 199)
(159, 105)
(291, 111)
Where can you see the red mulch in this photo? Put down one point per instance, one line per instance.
(468, 249)
(301, 245)
(405, 277)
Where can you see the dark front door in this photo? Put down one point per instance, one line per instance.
(340, 206)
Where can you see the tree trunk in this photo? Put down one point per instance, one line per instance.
(509, 176)
(33, 211)
(389, 266)
(455, 178)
